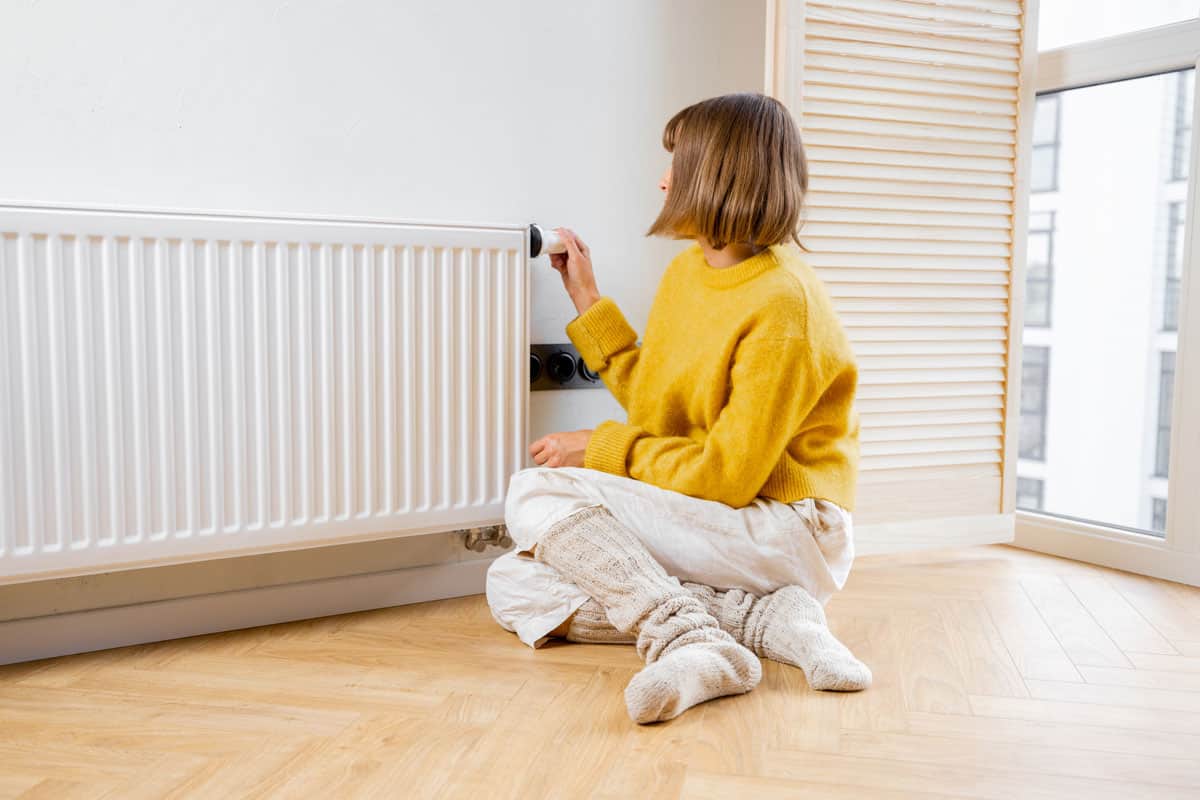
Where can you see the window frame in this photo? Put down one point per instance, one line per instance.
(1176, 554)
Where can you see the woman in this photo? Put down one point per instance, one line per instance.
(710, 528)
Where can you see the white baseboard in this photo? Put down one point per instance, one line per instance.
(881, 538)
(100, 629)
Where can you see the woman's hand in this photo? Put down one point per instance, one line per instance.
(564, 449)
(575, 268)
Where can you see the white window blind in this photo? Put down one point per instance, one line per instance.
(908, 111)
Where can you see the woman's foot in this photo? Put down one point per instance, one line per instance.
(793, 630)
(689, 659)
(690, 675)
(789, 626)
(589, 624)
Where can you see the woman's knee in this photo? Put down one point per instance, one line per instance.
(528, 597)
(502, 588)
(531, 481)
(537, 497)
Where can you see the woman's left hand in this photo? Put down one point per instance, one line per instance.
(563, 449)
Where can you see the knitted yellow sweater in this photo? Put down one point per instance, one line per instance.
(744, 385)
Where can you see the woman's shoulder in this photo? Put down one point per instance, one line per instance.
(785, 290)
(797, 278)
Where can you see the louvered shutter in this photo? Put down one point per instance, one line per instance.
(909, 112)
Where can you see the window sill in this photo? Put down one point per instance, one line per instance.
(1109, 547)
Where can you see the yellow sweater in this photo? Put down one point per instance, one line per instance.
(744, 385)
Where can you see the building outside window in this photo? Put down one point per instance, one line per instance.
(1035, 373)
(1029, 493)
(1175, 223)
(1181, 142)
(1166, 385)
(1039, 278)
(1158, 515)
(1046, 123)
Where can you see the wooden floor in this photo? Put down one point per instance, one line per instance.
(999, 673)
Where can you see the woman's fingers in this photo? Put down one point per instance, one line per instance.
(571, 237)
(543, 454)
(573, 246)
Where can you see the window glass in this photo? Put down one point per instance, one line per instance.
(1166, 386)
(1158, 515)
(1042, 174)
(1104, 276)
(1029, 493)
(1065, 22)
(1046, 119)
(1034, 377)
(1040, 275)
(1174, 271)
(1184, 101)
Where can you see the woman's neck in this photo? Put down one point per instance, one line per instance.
(731, 254)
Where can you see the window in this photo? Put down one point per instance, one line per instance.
(1029, 493)
(1039, 279)
(1185, 90)
(1066, 22)
(1035, 373)
(1174, 266)
(1166, 386)
(1110, 154)
(1090, 253)
(1046, 119)
(1158, 515)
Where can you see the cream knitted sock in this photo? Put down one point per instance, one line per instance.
(590, 624)
(689, 659)
(787, 625)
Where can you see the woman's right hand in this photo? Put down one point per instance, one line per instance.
(575, 269)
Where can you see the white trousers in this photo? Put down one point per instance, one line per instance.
(759, 548)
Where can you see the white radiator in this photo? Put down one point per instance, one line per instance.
(180, 386)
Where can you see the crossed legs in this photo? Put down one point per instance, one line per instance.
(787, 626)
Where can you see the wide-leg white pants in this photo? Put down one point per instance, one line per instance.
(759, 548)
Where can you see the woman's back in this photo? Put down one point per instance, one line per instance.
(743, 387)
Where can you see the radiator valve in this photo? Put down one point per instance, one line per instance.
(478, 539)
(544, 240)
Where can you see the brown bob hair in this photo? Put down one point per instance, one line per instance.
(738, 173)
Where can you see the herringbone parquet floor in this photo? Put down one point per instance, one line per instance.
(999, 674)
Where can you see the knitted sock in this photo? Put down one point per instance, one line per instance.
(787, 625)
(590, 624)
(689, 659)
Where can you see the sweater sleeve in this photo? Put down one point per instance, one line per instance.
(775, 383)
(608, 345)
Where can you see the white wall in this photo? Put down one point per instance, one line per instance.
(461, 111)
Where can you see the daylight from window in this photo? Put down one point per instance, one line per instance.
(1109, 188)
(1066, 22)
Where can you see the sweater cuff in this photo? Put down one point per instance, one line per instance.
(608, 449)
(600, 332)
